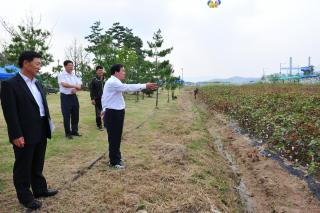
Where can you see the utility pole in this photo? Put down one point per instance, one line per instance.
(280, 68)
(182, 75)
(290, 66)
(309, 61)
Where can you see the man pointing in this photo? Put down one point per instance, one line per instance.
(113, 106)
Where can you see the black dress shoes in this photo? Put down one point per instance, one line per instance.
(48, 193)
(69, 137)
(76, 134)
(34, 205)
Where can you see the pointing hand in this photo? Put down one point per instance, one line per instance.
(152, 86)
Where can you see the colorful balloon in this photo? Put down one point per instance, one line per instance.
(214, 3)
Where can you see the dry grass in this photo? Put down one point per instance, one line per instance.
(171, 167)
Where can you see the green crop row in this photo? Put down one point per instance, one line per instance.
(285, 117)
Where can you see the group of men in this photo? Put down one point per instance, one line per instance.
(29, 124)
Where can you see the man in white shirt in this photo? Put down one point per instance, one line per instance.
(113, 106)
(69, 85)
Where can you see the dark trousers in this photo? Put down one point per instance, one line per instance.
(113, 121)
(98, 108)
(70, 109)
(28, 167)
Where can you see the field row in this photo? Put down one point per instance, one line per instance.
(285, 117)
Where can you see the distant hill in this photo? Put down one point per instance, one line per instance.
(233, 80)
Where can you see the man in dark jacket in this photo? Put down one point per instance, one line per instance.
(27, 116)
(96, 90)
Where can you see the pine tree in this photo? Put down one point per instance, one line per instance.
(155, 52)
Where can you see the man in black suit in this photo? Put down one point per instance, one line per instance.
(96, 90)
(27, 116)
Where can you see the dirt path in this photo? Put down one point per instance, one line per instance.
(179, 160)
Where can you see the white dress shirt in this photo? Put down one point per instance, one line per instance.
(112, 97)
(35, 92)
(71, 78)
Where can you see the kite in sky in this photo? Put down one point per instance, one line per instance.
(214, 3)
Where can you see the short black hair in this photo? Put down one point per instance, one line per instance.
(115, 68)
(66, 62)
(99, 67)
(27, 56)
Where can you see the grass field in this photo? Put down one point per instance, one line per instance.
(172, 164)
(58, 146)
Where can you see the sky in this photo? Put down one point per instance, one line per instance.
(240, 38)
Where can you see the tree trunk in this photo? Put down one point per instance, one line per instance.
(158, 87)
(157, 98)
